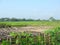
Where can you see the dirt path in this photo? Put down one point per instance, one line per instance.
(29, 28)
(39, 29)
(6, 31)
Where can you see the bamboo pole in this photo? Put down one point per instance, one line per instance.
(10, 42)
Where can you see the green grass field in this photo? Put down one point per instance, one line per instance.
(33, 23)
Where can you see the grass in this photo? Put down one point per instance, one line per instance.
(33, 23)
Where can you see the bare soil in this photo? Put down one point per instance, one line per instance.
(6, 31)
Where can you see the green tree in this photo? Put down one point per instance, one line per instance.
(52, 19)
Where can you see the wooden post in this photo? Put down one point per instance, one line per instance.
(44, 39)
(7, 38)
(10, 41)
(49, 39)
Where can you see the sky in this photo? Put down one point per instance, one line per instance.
(34, 9)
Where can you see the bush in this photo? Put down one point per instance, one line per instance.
(3, 25)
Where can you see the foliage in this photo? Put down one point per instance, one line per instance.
(51, 37)
(4, 25)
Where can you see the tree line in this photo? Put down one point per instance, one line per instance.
(18, 19)
(15, 19)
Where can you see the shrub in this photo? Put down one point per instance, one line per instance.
(3, 25)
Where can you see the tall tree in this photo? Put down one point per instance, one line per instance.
(52, 19)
